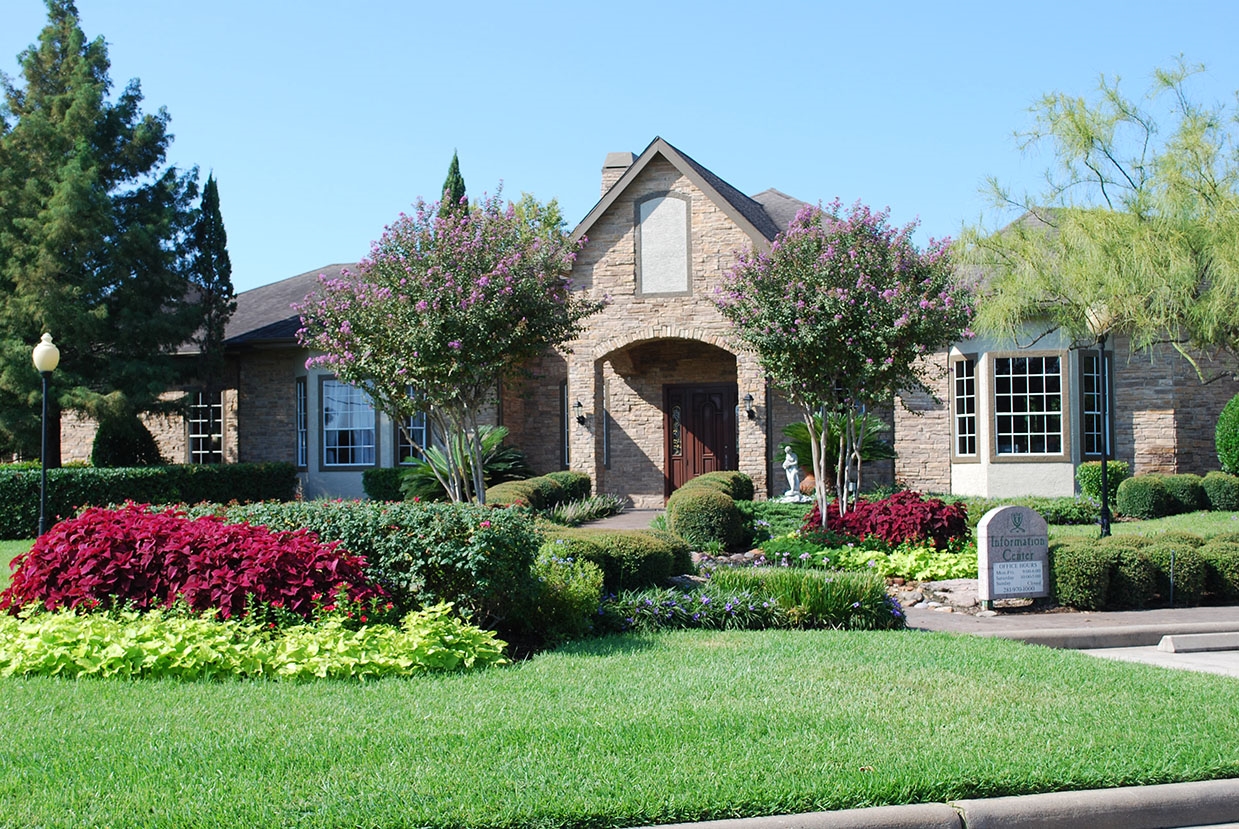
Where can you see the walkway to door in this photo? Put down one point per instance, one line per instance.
(633, 519)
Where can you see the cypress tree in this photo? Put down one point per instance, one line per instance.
(453, 189)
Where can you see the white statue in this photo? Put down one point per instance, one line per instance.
(791, 465)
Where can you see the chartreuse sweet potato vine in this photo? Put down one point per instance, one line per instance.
(161, 644)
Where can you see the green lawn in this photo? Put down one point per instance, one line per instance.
(8, 551)
(614, 732)
(1202, 523)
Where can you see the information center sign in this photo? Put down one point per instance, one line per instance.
(1012, 555)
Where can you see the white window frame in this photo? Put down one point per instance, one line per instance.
(354, 417)
(964, 420)
(205, 424)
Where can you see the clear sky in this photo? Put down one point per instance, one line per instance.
(322, 120)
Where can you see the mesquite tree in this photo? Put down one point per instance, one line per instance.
(841, 312)
(447, 305)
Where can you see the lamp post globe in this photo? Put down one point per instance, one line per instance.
(46, 357)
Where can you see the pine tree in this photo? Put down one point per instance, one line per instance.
(93, 226)
(453, 190)
(211, 275)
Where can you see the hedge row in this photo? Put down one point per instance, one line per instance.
(703, 511)
(1156, 496)
(542, 492)
(72, 488)
(1132, 572)
(629, 559)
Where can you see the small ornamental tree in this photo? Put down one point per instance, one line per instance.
(841, 312)
(444, 308)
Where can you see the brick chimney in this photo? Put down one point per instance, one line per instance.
(614, 167)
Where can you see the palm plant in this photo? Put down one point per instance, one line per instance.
(424, 478)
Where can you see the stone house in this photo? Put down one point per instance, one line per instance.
(656, 391)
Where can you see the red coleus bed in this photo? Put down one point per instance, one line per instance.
(904, 516)
(130, 555)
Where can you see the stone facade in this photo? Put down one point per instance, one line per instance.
(171, 433)
(267, 408)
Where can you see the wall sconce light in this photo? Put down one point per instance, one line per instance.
(578, 409)
(748, 407)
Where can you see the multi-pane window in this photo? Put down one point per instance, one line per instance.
(564, 421)
(413, 438)
(1092, 385)
(1028, 406)
(965, 400)
(303, 424)
(206, 427)
(348, 426)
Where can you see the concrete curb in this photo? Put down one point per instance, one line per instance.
(1213, 802)
(1129, 636)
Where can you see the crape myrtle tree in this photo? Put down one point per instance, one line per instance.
(446, 306)
(93, 228)
(841, 312)
(1138, 225)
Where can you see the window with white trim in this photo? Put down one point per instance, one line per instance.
(1091, 385)
(1028, 405)
(303, 424)
(965, 407)
(206, 427)
(348, 426)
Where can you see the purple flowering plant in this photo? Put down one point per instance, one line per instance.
(842, 311)
(447, 304)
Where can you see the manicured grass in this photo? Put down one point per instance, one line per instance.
(614, 732)
(1201, 523)
(9, 550)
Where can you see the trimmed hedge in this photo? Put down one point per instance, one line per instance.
(1053, 510)
(1129, 572)
(71, 488)
(1186, 492)
(1180, 571)
(1144, 496)
(382, 483)
(577, 486)
(1222, 490)
(1221, 569)
(629, 559)
(1088, 476)
(703, 516)
(1080, 576)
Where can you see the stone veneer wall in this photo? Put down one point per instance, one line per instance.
(922, 434)
(77, 433)
(531, 412)
(607, 267)
(267, 405)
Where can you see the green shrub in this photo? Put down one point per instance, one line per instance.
(1133, 583)
(1053, 510)
(382, 483)
(577, 486)
(565, 599)
(629, 559)
(700, 516)
(1088, 476)
(575, 513)
(420, 478)
(72, 488)
(770, 519)
(1126, 542)
(1181, 537)
(737, 485)
(1221, 569)
(1081, 575)
(1222, 490)
(818, 598)
(1144, 496)
(124, 441)
(1186, 492)
(1180, 571)
(515, 494)
(710, 607)
(1226, 437)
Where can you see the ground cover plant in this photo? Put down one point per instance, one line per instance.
(614, 731)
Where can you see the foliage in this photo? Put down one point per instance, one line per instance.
(1226, 436)
(1222, 569)
(1054, 510)
(124, 441)
(1221, 490)
(1144, 496)
(544, 492)
(1135, 228)
(211, 276)
(917, 561)
(575, 513)
(454, 197)
(1088, 476)
(1080, 577)
(1186, 493)
(629, 559)
(904, 516)
(819, 598)
(173, 645)
(767, 519)
(382, 483)
(565, 601)
(1180, 571)
(701, 515)
(71, 488)
(424, 477)
(840, 312)
(449, 305)
(870, 426)
(93, 228)
(577, 486)
(1133, 584)
(710, 607)
(142, 559)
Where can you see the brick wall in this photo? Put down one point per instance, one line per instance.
(267, 406)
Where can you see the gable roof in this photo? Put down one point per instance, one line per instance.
(266, 315)
(761, 216)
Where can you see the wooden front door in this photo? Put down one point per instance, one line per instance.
(700, 427)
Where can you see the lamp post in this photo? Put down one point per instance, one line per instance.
(1099, 322)
(46, 357)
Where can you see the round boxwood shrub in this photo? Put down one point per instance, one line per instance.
(1222, 490)
(577, 486)
(629, 559)
(1081, 575)
(1181, 537)
(1133, 583)
(702, 516)
(1088, 476)
(1180, 571)
(1186, 492)
(1144, 496)
(1221, 569)
(1226, 437)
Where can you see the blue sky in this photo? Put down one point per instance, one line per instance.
(323, 120)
